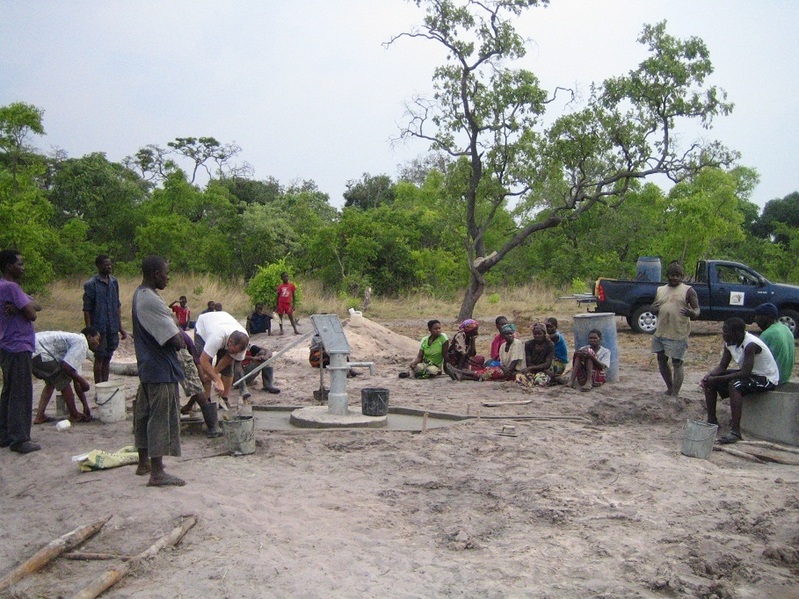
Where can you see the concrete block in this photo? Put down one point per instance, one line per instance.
(773, 416)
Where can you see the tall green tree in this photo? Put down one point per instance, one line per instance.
(18, 122)
(105, 196)
(783, 211)
(369, 192)
(488, 117)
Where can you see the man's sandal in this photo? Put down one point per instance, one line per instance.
(732, 437)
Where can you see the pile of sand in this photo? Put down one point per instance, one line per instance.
(369, 342)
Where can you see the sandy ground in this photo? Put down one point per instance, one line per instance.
(601, 507)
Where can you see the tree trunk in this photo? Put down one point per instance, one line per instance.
(473, 293)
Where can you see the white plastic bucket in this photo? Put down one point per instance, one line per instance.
(698, 438)
(110, 402)
(240, 434)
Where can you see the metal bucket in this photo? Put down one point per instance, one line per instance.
(110, 402)
(240, 434)
(698, 439)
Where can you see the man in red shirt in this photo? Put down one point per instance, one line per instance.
(286, 301)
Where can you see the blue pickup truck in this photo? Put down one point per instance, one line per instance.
(724, 289)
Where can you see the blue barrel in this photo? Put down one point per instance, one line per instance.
(605, 323)
(648, 268)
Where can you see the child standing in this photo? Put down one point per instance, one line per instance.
(286, 301)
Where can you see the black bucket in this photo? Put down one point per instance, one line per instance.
(374, 401)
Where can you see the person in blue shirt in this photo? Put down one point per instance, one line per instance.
(102, 311)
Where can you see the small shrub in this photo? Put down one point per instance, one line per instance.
(493, 298)
(579, 286)
(262, 288)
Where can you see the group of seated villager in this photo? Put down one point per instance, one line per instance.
(540, 361)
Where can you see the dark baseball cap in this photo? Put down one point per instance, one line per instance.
(767, 309)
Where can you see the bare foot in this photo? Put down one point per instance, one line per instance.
(165, 480)
(142, 469)
(43, 419)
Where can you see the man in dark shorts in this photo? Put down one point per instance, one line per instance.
(157, 339)
(757, 372)
(101, 310)
(57, 361)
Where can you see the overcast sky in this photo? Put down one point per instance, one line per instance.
(307, 90)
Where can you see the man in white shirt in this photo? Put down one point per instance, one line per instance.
(217, 335)
(57, 359)
(758, 372)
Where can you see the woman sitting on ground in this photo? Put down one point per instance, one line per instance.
(539, 354)
(590, 364)
(561, 349)
(430, 359)
(511, 356)
(462, 351)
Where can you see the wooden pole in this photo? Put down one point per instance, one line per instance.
(114, 575)
(47, 554)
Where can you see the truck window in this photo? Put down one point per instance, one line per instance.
(701, 272)
(732, 275)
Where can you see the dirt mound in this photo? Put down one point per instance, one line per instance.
(369, 342)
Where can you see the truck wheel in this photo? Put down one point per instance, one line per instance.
(790, 318)
(644, 320)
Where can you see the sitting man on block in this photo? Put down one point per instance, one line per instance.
(778, 338)
(57, 360)
(757, 372)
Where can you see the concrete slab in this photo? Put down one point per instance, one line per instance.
(320, 417)
(773, 416)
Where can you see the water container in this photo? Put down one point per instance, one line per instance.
(698, 439)
(240, 434)
(110, 401)
(648, 269)
(374, 401)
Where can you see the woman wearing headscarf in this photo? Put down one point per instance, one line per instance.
(511, 356)
(462, 352)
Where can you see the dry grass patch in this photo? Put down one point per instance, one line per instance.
(63, 302)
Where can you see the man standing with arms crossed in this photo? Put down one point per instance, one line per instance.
(157, 339)
(675, 304)
(17, 341)
(101, 310)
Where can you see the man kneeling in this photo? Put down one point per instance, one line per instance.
(758, 372)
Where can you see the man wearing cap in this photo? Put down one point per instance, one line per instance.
(778, 338)
(219, 335)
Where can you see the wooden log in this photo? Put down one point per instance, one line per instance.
(89, 556)
(740, 454)
(51, 551)
(114, 575)
(769, 445)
